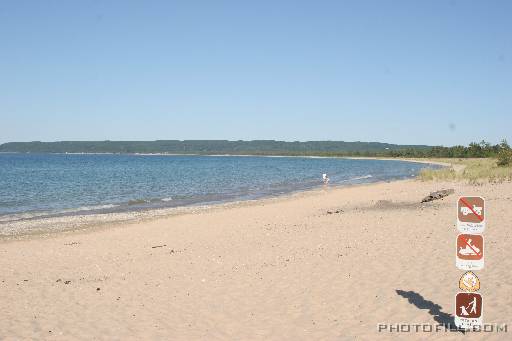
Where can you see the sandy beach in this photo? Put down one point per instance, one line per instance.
(328, 264)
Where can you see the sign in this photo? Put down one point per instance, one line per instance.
(469, 256)
(469, 282)
(468, 310)
(471, 214)
(470, 252)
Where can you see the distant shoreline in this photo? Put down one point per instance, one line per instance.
(423, 160)
(414, 160)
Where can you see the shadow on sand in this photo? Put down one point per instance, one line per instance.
(433, 309)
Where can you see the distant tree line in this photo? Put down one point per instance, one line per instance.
(256, 147)
(264, 147)
(473, 150)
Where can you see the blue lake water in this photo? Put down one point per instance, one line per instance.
(34, 185)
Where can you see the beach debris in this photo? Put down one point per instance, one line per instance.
(98, 289)
(438, 195)
(156, 246)
(65, 282)
(335, 212)
(72, 243)
(173, 251)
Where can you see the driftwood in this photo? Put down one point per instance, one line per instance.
(438, 195)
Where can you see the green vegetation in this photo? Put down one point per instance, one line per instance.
(504, 155)
(474, 150)
(259, 147)
(267, 147)
(445, 173)
(473, 170)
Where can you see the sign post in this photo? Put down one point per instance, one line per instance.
(469, 255)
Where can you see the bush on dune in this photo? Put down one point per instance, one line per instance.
(504, 155)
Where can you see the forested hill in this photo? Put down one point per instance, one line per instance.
(257, 147)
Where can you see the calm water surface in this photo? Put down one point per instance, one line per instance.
(34, 185)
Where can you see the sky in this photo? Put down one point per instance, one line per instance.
(407, 72)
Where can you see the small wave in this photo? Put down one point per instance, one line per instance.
(19, 216)
(359, 178)
(138, 201)
(167, 199)
(88, 208)
(362, 177)
(32, 215)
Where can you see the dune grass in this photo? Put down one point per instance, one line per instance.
(471, 170)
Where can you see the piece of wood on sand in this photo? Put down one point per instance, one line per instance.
(438, 195)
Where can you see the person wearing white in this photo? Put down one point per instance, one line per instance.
(325, 179)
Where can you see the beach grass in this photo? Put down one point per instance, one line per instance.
(471, 170)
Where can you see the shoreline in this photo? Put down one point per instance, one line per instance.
(386, 158)
(64, 222)
(38, 227)
(425, 161)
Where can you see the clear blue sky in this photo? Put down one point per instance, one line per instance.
(415, 72)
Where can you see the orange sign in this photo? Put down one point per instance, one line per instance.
(470, 246)
(470, 252)
(471, 214)
(469, 282)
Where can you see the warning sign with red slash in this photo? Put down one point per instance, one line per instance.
(471, 214)
(470, 252)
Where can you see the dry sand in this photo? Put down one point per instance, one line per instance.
(275, 269)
